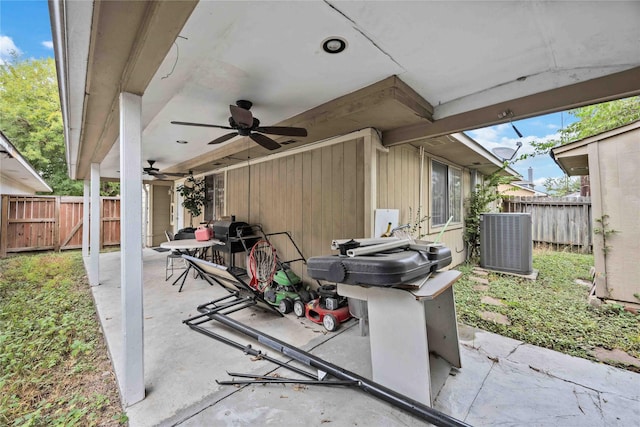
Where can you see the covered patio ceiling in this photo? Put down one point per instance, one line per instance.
(413, 70)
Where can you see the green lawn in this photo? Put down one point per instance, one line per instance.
(54, 368)
(551, 311)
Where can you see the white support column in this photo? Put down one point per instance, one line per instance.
(131, 247)
(85, 217)
(94, 261)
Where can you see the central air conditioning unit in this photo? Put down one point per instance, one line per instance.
(506, 243)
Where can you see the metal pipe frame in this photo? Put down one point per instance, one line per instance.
(377, 390)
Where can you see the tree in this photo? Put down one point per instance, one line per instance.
(479, 202)
(592, 120)
(598, 118)
(194, 196)
(562, 186)
(30, 117)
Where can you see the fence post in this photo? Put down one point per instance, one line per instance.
(101, 219)
(587, 214)
(56, 225)
(4, 225)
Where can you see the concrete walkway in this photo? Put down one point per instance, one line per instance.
(502, 381)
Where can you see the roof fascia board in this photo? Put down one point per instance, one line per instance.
(71, 28)
(15, 154)
(479, 149)
(137, 49)
(599, 137)
(564, 150)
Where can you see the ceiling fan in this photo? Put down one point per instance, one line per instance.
(243, 123)
(155, 172)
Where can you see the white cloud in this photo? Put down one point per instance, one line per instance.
(539, 182)
(504, 136)
(48, 44)
(7, 49)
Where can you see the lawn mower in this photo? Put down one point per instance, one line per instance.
(286, 289)
(329, 309)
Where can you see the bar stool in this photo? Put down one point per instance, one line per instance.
(171, 259)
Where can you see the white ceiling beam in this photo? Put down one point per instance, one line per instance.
(607, 88)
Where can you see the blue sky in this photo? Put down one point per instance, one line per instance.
(25, 28)
(539, 129)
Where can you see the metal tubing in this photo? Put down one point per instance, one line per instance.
(381, 392)
(215, 301)
(205, 312)
(335, 244)
(367, 250)
(247, 349)
(287, 381)
(291, 380)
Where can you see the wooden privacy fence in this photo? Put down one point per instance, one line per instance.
(36, 223)
(556, 220)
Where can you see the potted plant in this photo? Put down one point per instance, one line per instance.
(194, 196)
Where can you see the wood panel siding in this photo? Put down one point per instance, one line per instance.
(398, 187)
(615, 186)
(315, 195)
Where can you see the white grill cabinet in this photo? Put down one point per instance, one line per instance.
(412, 325)
(413, 334)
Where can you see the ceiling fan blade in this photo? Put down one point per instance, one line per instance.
(159, 176)
(282, 130)
(174, 174)
(265, 141)
(241, 116)
(200, 125)
(224, 138)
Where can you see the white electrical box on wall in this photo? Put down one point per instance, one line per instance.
(382, 219)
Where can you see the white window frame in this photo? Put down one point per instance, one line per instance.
(447, 198)
(222, 203)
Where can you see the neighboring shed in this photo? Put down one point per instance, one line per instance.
(17, 176)
(611, 160)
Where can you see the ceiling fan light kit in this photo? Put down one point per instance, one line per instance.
(243, 123)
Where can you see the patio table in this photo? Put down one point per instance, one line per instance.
(191, 247)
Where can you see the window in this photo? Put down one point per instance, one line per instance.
(446, 194)
(214, 185)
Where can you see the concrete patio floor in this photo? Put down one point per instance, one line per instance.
(502, 381)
